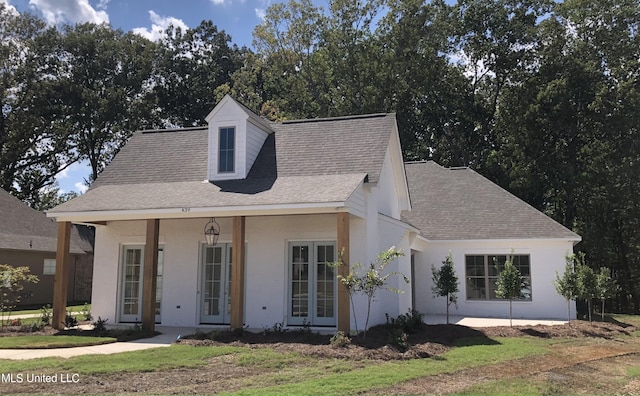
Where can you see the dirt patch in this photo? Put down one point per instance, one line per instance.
(564, 367)
(427, 341)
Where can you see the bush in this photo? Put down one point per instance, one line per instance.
(45, 315)
(86, 312)
(100, 324)
(408, 323)
(398, 338)
(340, 340)
(70, 320)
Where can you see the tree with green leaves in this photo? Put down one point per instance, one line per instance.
(606, 286)
(13, 280)
(567, 284)
(188, 67)
(445, 282)
(587, 284)
(108, 74)
(371, 281)
(509, 284)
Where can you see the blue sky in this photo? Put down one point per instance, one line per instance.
(148, 18)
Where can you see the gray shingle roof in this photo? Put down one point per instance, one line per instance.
(193, 194)
(460, 204)
(24, 228)
(301, 162)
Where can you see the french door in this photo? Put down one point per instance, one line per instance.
(216, 284)
(312, 283)
(132, 278)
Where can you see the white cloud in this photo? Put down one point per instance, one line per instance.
(217, 2)
(70, 11)
(11, 9)
(260, 13)
(81, 187)
(102, 4)
(158, 26)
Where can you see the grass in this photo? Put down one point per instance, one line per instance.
(156, 359)
(50, 341)
(264, 371)
(72, 308)
(386, 375)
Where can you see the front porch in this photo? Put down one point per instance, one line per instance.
(173, 287)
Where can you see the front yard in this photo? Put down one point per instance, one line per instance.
(579, 359)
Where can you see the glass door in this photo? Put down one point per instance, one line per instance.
(216, 284)
(312, 283)
(132, 278)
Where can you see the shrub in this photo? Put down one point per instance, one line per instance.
(340, 340)
(100, 324)
(70, 320)
(408, 323)
(86, 312)
(398, 337)
(45, 315)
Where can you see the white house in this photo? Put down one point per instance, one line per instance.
(294, 194)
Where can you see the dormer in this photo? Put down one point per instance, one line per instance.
(236, 135)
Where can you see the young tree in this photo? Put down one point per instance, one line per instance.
(567, 285)
(606, 287)
(509, 284)
(12, 282)
(587, 285)
(445, 282)
(371, 281)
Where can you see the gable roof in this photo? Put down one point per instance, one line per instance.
(460, 204)
(302, 162)
(24, 228)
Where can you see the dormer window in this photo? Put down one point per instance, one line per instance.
(226, 152)
(236, 136)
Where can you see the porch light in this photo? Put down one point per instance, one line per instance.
(212, 232)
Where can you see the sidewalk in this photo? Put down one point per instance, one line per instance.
(488, 322)
(169, 334)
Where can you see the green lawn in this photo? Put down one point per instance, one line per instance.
(46, 341)
(240, 370)
(72, 308)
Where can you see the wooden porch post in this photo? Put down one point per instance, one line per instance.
(237, 274)
(61, 277)
(344, 312)
(150, 275)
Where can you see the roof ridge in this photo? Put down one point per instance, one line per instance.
(196, 128)
(340, 118)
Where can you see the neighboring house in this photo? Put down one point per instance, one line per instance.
(293, 194)
(28, 238)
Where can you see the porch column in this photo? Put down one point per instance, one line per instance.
(61, 276)
(150, 275)
(237, 273)
(344, 314)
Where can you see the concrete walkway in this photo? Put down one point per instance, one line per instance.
(488, 322)
(169, 334)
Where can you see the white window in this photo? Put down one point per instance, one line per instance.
(49, 267)
(226, 150)
(482, 272)
(312, 284)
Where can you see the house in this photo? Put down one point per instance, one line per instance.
(28, 238)
(460, 212)
(293, 195)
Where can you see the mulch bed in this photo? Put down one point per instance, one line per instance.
(427, 341)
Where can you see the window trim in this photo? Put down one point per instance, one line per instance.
(487, 277)
(45, 266)
(232, 151)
